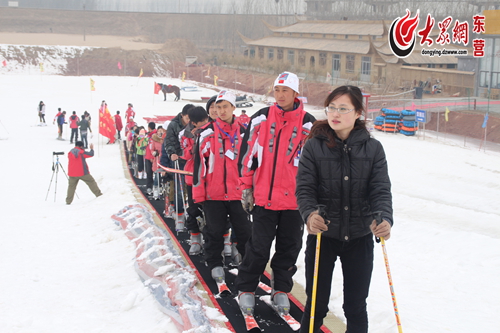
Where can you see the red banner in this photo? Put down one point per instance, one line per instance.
(157, 88)
(106, 123)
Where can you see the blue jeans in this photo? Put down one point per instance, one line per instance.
(83, 134)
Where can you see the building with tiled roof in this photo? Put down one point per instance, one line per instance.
(351, 51)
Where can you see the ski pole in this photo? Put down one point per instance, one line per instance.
(378, 219)
(322, 213)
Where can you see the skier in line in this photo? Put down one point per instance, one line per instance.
(173, 149)
(268, 164)
(149, 158)
(140, 145)
(155, 148)
(211, 110)
(198, 118)
(345, 169)
(215, 184)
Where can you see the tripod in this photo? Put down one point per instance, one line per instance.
(55, 171)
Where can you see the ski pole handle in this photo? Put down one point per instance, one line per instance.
(378, 219)
(322, 211)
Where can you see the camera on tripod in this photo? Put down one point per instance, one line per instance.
(56, 165)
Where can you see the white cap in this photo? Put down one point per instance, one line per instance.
(165, 124)
(226, 95)
(289, 80)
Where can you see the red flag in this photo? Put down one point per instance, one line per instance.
(106, 123)
(119, 65)
(157, 88)
(4, 63)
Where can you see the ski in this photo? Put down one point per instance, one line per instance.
(223, 289)
(251, 323)
(261, 285)
(292, 322)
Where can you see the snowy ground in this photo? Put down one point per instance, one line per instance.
(69, 268)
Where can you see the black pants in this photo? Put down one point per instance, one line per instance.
(193, 211)
(149, 174)
(216, 213)
(74, 133)
(140, 163)
(288, 228)
(356, 257)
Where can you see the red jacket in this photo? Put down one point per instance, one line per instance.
(187, 141)
(154, 149)
(244, 119)
(269, 155)
(77, 166)
(118, 122)
(73, 121)
(129, 113)
(149, 152)
(215, 175)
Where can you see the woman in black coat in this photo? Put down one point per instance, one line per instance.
(345, 169)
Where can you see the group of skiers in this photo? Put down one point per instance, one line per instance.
(264, 178)
(76, 124)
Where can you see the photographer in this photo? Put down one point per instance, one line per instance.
(78, 169)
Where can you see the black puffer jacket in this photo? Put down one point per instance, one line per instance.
(351, 179)
(172, 143)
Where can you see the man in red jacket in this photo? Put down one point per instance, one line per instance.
(215, 182)
(78, 169)
(118, 124)
(74, 121)
(268, 164)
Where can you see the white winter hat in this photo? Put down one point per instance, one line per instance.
(165, 124)
(226, 95)
(289, 80)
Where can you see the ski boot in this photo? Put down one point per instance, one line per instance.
(170, 212)
(227, 245)
(219, 277)
(156, 193)
(235, 255)
(218, 274)
(280, 302)
(246, 300)
(180, 223)
(196, 244)
(149, 191)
